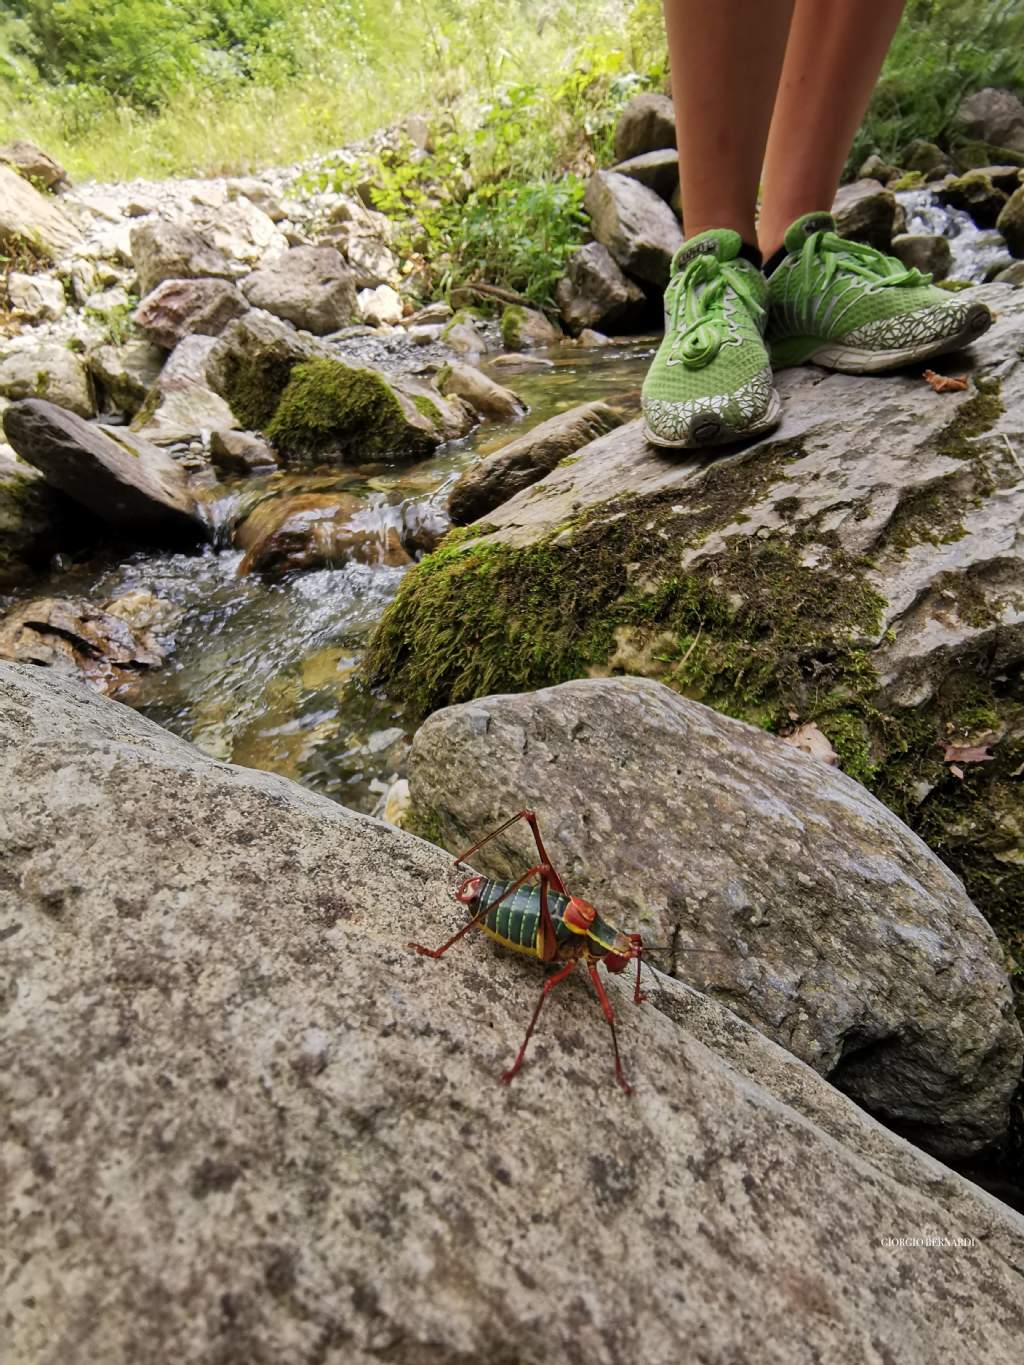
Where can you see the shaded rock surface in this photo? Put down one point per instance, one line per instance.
(595, 292)
(309, 286)
(815, 913)
(524, 328)
(975, 194)
(35, 521)
(124, 374)
(1011, 222)
(863, 568)
(646, 124)
(72, 635)
(121, 479)
(30, 219)
(252, 361)
(216, 957)
(240, 452)
(181, 308)
(659, 171)
(865, 211)
(635, 224)
(924, 251)
(993, 116)
(527, 458)
(31, 162)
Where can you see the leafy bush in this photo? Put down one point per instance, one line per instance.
(943, 50)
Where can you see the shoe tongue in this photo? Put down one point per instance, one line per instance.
(720, 242)
(805, 226)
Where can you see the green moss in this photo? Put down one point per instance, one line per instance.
(912, 180)
(512, 320)
(751, 630)
(929, 514)
(330, 406)
(972, 419)
(426, 408)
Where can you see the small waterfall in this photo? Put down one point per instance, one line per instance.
(976, 251)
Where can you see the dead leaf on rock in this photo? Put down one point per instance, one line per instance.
(812, 741)
(957, 772)
(968, 753)
(942, 383)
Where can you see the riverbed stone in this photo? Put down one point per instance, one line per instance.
(163, 250)
(251, 361)
(647, 124)
(124, 374)
(635, 224)
(925, 251)
(865, 211)
(74, 636)
(181, 308)
(595, 292)
(659, 171)
(240, 230)
(926, 158)
(861, 568)
(310, 286)
(975, 194)
(484, 396)
(813, 911)
(181, 405)
(48, 369)
(527, 458)
(123, 480)
(337, 413)
(241, 452)
(381, 307)
(37, 298)
(304, 531)
(216, 958)
(1011, 222)
(33, 221)
(522, 329)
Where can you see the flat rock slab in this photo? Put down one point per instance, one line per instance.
(816, 914)
(245, 1119)
(28, 218)
(119, 477)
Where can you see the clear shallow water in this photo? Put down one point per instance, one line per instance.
(260, 674)
(975, 251)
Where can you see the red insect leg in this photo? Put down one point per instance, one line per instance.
(638, 952)
(549, 986)
(607, 1010)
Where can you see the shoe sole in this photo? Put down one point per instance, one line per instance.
(712, 431)
(852, 360)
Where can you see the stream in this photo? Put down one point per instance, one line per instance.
(260, 674)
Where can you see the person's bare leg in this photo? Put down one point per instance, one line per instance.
(726, 58)
(835, 52)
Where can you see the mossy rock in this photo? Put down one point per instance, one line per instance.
(859, 575)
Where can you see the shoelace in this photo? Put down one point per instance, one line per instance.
(830, 252)
(698, 314)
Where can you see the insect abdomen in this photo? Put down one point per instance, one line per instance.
(514, 923)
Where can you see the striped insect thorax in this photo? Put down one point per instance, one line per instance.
(514, 923)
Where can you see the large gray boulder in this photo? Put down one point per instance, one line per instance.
(310, 286)
(121, 479)
(861, 569)
(594, 292)
(993, 116)
(252, 361)
(647, 124)
(635, 224)
(162, 250)
(817, 915)
(181, 308)
(249, 1122)
(527, 458)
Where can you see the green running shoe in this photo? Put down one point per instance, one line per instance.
(711, 380)
(849, 307)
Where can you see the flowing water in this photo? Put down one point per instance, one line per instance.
(976, 252)
(260, 674)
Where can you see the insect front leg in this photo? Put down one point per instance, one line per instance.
(606, 1007)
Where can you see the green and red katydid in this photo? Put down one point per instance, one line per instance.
(548, 923)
